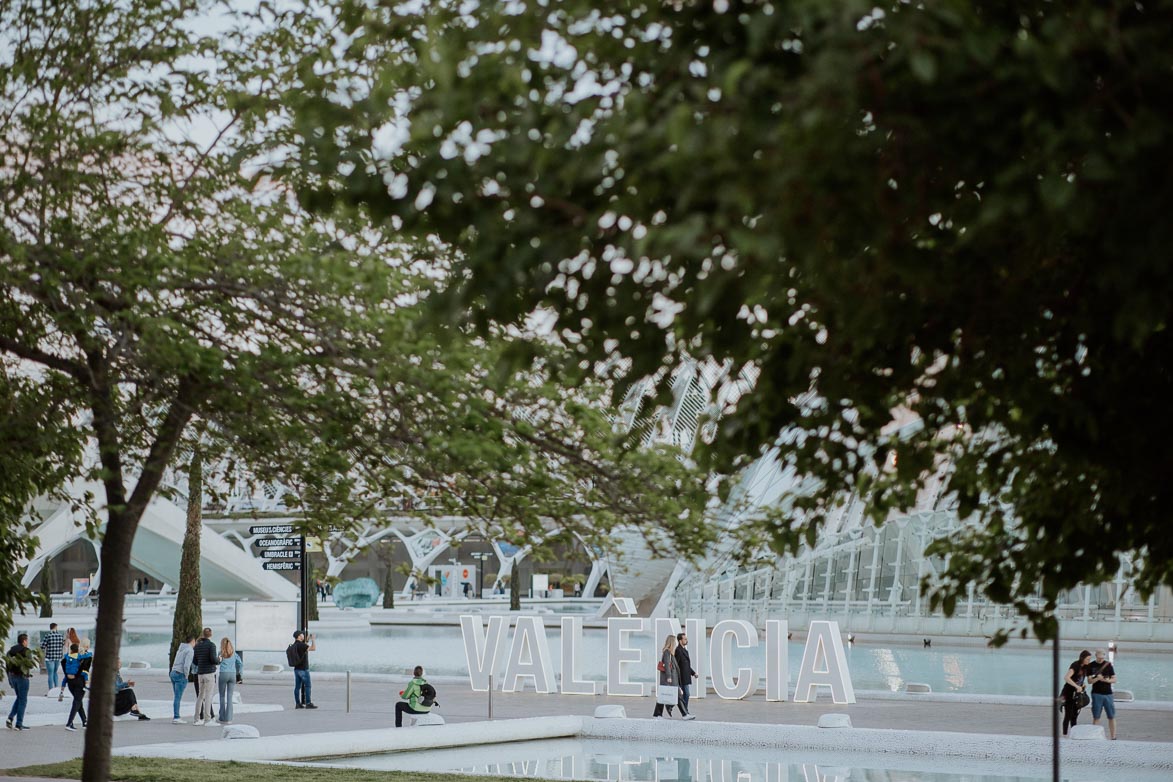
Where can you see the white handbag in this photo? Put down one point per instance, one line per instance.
(667, 694)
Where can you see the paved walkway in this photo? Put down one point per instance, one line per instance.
(372, 705)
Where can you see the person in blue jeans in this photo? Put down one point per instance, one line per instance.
(19, 669)
(230, 669)
(179, 672)
(299, 655)
(53, 649)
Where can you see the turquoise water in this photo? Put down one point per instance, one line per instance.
(604, 761)
(973, 670)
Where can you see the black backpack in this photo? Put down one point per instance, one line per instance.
(291, 655)
(427, 694)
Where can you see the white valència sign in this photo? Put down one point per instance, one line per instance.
(527, 657)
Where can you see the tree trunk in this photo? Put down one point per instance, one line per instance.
(122, 519)
(312, 597)
(116, 546)
(188, 620)
(514, 588)
(388, 580)
(46, 591)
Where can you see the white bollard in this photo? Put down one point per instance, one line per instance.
(1087, 733)
(835, 721)
(240, 732)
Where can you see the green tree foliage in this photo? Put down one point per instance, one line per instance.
(39, 451)
(951, 212)
(150, 276)
(188, 621)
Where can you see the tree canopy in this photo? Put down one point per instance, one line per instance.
(151, 276)
(951, 212)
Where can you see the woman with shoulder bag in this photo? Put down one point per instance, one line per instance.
(668, 686)
(1073, 695)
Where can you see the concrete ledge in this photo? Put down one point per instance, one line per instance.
(51, 712)
(361, 742)
(1008, 754)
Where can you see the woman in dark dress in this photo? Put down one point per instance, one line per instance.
(1072, 686)
(669, 671)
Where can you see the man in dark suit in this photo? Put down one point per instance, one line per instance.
(687, 674)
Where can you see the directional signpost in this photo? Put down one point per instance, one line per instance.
(284, 551)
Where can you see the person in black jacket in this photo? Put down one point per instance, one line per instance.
(1073, 683)
(206, 660)
(687, 674)
(19, 669)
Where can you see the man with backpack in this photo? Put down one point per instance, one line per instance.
(297, 654)
(420, 697)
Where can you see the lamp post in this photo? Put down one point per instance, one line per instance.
(481, 556)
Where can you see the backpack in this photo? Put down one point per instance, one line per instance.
(291, 655)
(427, 694)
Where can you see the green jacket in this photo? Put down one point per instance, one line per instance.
(413, 696)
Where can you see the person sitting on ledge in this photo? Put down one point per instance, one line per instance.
(420, 697)
(125, 701)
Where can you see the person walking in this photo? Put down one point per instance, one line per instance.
(206, 662)
(70, 638)
(75, 665)
(180, 670)
(125, 701)
(19, 667)
(417, 698)
(53, 649)
(299, 657)
(669, 675)
(230, 670)
(1101, 676)
(687, 674)
(1073, 687)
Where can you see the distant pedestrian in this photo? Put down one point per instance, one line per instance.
(669, 676)
(299, 658)
(687, 674)
(1073, 688)
(53, 649)
(230, 670)
(19, 667)
(417, 698)
(125, 701)
(180, 670)
(1102, 675)
(206, 662)
(74, 665)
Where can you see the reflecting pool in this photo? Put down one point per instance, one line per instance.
(612, 761)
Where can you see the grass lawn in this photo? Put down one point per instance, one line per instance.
(170, 770)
